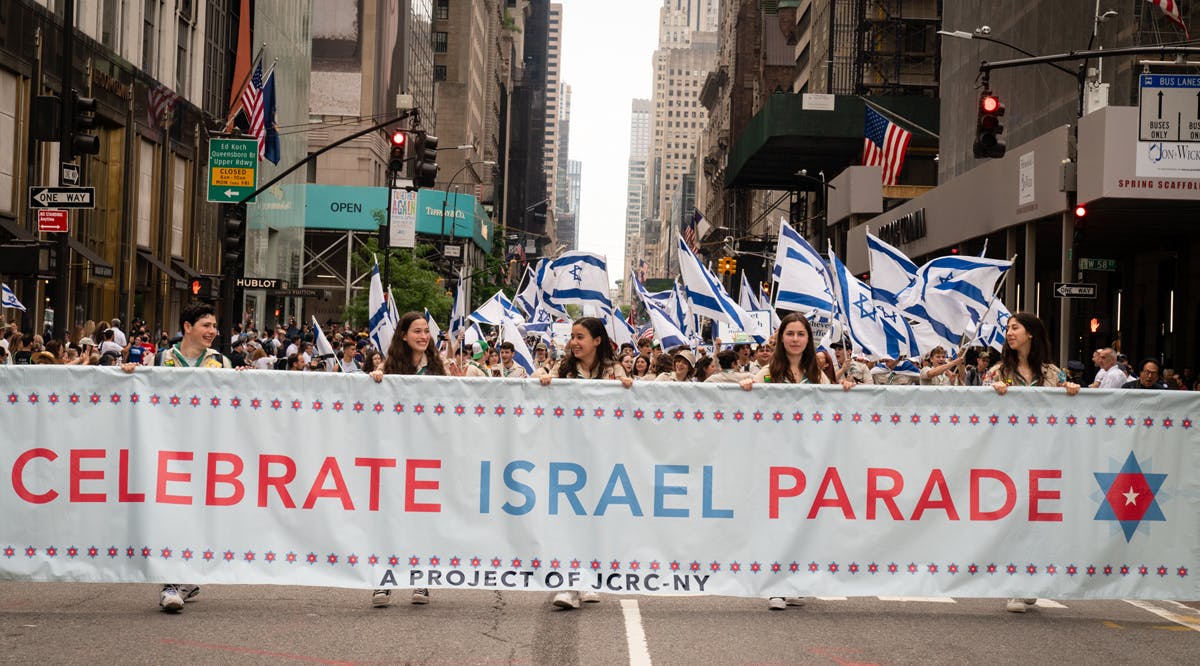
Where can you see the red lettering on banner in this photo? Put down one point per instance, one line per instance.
(776, 493)
(412, 485)
(166, 476)
(329, 468)
(1036, 495)
(230, 479)
(374, 464)
(279, 483)
(1010, 494)
(888, 496)
(840, 500)
(18, 483)
(79, 474)
(123, 494)
(936, 480)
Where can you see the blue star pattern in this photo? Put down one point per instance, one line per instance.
(1130, 496)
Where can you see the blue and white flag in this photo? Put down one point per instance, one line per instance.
(512, 335)
(619, 330)
(496, 309)
(746, 296)
(544, 277)
(891, 271)
(802, 280)
(906, 368)
(323, 347)
(578, 277)
(993, 326)
(8, 299)
(458, 317)
(380, 318)
(527, 295)
(392, 312)
(704, 293)
(540, 324)
(665, 331)
(435, 333)
(947, 291)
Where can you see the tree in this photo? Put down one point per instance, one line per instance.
(415, 283)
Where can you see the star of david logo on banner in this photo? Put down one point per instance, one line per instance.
(575, 273)
(1130, 496)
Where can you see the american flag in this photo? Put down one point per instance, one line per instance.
(688, 230)
(884, 144)
(160, 102)
(252, 104)
(1173, 12)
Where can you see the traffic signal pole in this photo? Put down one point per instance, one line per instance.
(62, 268)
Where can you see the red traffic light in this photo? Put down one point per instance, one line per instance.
(1080, 211)
(398, 138)
(989, 103)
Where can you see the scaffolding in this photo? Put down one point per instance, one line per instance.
(896, 47)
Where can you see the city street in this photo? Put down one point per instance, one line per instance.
(97, 623)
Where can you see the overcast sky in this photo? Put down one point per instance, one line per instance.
(607, 50)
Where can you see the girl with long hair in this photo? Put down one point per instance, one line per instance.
(410, 353)
(641, 367)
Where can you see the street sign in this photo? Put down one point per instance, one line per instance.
(1169, 108)
(260, 283)
(52, 220)
(1075, 289)
(62, 197)
(1097, 264)
(68, 173)
(232, 169)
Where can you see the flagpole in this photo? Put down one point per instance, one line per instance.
(895, 116)
(237, 100)
(849, 339)
(995, 292)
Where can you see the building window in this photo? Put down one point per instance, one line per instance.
(439, 72)
(184, 39)
(442, 11)
(440, 42)
(151, 9)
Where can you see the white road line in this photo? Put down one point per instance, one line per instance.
(830, 598)
(1048, 603)
(936, 600)
(1191, 620)
(635, 636)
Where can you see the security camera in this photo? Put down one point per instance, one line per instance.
(983, 30)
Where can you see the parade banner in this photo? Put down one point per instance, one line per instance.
(217, 476)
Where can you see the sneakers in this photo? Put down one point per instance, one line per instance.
(1019, 605)
(776, 603)
(169, 599)
(381, 598)
(189, 592)
(590, 597)
(568, 600)
(420, 596)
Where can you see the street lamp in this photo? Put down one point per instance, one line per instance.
(446, 193)
(983, 32)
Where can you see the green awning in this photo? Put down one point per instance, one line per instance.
(783, 138)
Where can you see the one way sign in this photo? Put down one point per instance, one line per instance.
(1075, 289)
(62, 197)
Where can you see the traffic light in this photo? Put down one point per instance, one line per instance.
(425, 168)
(732, 265)
(196, 286)
(78, 140)
(988, 128)
(233, 237)
(202, 287)
(1080, 211)
(399, 141)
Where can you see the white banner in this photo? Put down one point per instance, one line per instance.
(403, 218)
(332, 480)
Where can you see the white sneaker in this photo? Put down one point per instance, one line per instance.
(794, 601)
(170, 599)
(420, 596)
(1019, 605)
(568, 599)
(590, 597)
(776, 603)
(189, 592)
(381, 598)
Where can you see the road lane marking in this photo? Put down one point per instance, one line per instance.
(635, 635)
(935, 600)
(1191, 620)
(1048, 603)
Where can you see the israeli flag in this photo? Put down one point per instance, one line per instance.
(891, 271)
(905, 367)
(434, 332)
(527, 296)
(380, 323)
(946, 292)
(705, 294)
(579, 277)
(746, 298)
(458, 317)
(512, 334)
(540, 323)
(663, 301)
(802, 280)
(665, 331)
(619, 330)
(495, 310)
(8, 299)
(992, 326)
(323, 346)
(544, 277)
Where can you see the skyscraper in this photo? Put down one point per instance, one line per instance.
(635, 213)
(550, 146)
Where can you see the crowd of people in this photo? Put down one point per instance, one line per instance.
(790, 356)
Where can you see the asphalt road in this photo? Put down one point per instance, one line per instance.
(59, 623)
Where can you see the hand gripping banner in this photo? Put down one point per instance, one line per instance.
(334, 480)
